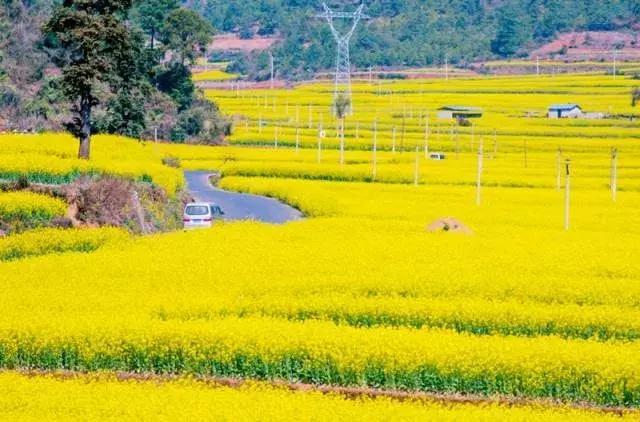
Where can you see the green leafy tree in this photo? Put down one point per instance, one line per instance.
(186, 35)
(635, 96)
(341, 107)
(511, 33)
(151, 15)
(89, 42)
(176, 82)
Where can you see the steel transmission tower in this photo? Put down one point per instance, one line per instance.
(343, 64)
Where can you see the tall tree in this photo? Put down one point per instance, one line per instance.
(186, 34)
(511, 33)
(89, 42)
(151, 15)
(341, 106)
(635, 96)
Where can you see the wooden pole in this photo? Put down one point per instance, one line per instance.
(393, 140)
(479, 176)
(260, 124)
(416, 170)
(558, 168)
(495, 143)
(319, 144)
(426, 137)
(567, 193)
(614, 174)
(375, 151)
(275, 137)
(342, 141)
(297, 138)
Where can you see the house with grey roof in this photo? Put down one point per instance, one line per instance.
(459, 112)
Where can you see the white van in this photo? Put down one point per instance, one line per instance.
(200, 215)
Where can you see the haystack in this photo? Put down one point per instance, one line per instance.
(448, 224)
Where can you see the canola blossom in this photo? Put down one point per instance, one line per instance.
(360, 293)
(30, 206)
(105, 397)
(47, 241)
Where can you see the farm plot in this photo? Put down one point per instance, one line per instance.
(360, 295)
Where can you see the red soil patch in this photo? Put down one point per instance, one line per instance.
(591, 45)
(232, 42)
(348, 392)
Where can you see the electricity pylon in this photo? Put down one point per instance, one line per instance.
(343, 64)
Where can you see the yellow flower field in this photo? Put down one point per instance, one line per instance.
(359, 294)
(104, 397)
(30, 206)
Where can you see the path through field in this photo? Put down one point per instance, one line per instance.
(239, 206)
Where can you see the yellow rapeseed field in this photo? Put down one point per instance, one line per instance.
(103, 397)
(360, 293)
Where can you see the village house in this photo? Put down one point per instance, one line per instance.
(459, 112)
(565, 111)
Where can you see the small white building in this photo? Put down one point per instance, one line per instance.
(459, 112)
(565, 111)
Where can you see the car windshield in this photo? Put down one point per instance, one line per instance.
(197, 210)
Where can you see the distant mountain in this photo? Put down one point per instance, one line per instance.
(409, 32)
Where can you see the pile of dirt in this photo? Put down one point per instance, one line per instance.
(114, 201)
(448, 224)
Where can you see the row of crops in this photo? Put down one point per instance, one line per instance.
(522, 318)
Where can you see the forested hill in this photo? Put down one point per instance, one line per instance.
(413, 32)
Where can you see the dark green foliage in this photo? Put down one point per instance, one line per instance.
(91, 44)
(176, 82)
(201, 124)
(635, 96)
(186, 34)
(151, 14)
(512, 33)
(408, 32)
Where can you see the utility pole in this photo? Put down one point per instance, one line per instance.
(538, 65)
(319, 156)
(479, 175)
(374, 172)
(416, 170)
(614, 174)
(615, 64)
(393, 140)
(426, 137)
(567, 193)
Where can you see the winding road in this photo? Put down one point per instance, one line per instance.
(239, 206)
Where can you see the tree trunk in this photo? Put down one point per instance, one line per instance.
(85, 130)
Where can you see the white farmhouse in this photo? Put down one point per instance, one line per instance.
(564, 111)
